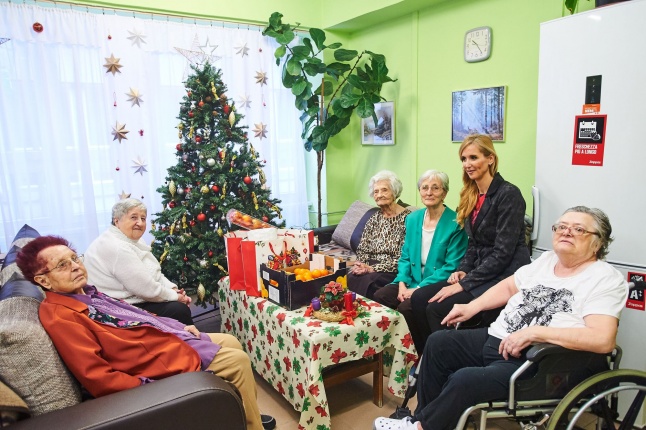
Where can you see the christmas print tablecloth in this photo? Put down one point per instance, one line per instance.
(290, 350)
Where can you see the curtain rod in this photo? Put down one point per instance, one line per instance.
(144, 12)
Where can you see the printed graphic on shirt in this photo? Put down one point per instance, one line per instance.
(539, 304)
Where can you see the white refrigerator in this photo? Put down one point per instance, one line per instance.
(595, 62)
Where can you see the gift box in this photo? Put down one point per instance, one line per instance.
(286, 290)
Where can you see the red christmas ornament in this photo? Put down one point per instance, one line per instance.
(190, 94)
(210, 253)
(265, 219)
(247, 180)
(226, 109)
(215, 188)
(221, 154)
(185, 258)
(193, 169)
(109, 37)
(117, 169)
(178, 146)
(213, 207)
(198, 139)
(191, 114)
(192, 223)
(171, 204)
(188, 189)
(38, 27)
(141, 132)
(201, 217)
(201, 103)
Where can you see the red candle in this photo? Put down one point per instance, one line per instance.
(347, 301)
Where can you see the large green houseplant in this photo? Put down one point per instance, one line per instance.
(350, 83)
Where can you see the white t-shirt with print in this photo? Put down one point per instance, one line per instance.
(547, 300)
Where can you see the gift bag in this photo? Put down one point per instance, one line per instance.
(233, 244)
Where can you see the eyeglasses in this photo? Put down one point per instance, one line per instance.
(64, 265)
(573, 230)
(434, 189)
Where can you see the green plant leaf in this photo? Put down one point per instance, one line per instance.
(280, 53)
(285, 38)
(356, 81)
(299, 86)
(347, 100)
(313, 69)
(318, 36)
(301, 52)
(328, 89)
(307, 42)
(275, 20)
(288, 79)
(337, 69)
(341, 111)
(293, 66)
(345, 54)
(571, 5)
(376, 57)
(365, 108)
(335, 45)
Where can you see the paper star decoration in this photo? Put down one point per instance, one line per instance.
(208, 47)
(112, 65)
(242, 49)
(135, 97)
(119, 132)
(198, 57)
(123, 195)
(3, 40)
(261, 78)
(136, 37)
(140, 166)
(244, 101)
(260, 130)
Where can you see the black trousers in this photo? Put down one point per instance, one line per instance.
(428, 316)
(176, 310)
(387, 296)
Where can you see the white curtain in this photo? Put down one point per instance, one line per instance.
(61, 170)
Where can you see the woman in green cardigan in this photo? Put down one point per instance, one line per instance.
(433, 248)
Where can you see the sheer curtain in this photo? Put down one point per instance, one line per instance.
(61, 169)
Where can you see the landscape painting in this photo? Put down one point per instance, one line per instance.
(479, 111)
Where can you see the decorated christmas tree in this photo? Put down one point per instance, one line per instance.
(217, 170)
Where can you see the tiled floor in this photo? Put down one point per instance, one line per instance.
(350, 402)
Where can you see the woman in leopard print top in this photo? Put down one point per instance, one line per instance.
(382, 239)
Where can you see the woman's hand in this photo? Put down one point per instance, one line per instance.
(404, 292)
(359, 268)
(516, 342)
(459, 313)
(182, 297)
(456, 277)
(193, 330)
(445, 292)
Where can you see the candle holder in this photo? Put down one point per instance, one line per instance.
(336, 303)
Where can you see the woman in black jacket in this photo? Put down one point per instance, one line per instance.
(492, 212)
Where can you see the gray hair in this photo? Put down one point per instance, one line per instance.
(434, 174)
(122, 207)
(386, 175)
(602, 226)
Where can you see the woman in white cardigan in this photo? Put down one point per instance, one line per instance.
(121, 265)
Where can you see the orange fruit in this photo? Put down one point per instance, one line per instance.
(316, 273)
(298, 271)
(324, 272)
(299, 278)
(307, 276)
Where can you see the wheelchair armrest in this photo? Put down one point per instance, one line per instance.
(541, 350)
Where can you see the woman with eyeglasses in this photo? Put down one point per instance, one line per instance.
(492, 212)
(433, 248)
(120, 264)
(568, 297)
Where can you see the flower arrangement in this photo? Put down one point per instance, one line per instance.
(336, 304)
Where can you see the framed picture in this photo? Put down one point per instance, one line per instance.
(382, 133)
(479, 111)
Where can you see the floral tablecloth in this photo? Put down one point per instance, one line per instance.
(290, 350)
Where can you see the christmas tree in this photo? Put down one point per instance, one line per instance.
(218, 170)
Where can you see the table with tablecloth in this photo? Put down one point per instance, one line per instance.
(290, 350)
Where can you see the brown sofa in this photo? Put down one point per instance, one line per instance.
(37, 391)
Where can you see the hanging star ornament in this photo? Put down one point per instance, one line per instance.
(135, 97)
(136, 37)
(112, 65)
(140, 166)
(261, 78)
(260, 130)
(244, 101)
(207, 48)
(124, 195)
(195, 56)
(242, 49)
(119, 132)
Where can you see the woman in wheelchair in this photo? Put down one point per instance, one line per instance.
(568, 297)
(492, 212)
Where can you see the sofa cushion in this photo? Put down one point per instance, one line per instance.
(29, 363)
(343, 232)
(12, 407)
(25, 235)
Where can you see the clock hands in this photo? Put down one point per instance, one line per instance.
(476, 44)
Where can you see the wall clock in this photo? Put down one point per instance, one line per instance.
(477, 44)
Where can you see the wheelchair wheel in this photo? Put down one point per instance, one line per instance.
(598, 389)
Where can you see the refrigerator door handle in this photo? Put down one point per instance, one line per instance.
(536, 214)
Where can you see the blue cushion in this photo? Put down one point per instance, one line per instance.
(17, 286)
(9, 268)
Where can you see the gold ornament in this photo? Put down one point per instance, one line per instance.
(232, 118)
(135, 97)
(260, 130)
(253, 152)
(190, 133)
(180, 126)
(277, 210)
(164, 254)
(172, 229)
(255, 200)
(172, 188)
(184, 225)
(232, 160)
(152, 226)
(224, 191)
(220, 232)
(261, 78)
(201, 292)
(119, 132)
(215, 94)
(261, 176)
(204, 189)
(112, 65)
(221, 268)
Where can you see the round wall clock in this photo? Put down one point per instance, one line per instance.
(477, 44)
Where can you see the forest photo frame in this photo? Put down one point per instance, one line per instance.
(382, 133)
(479, 111)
